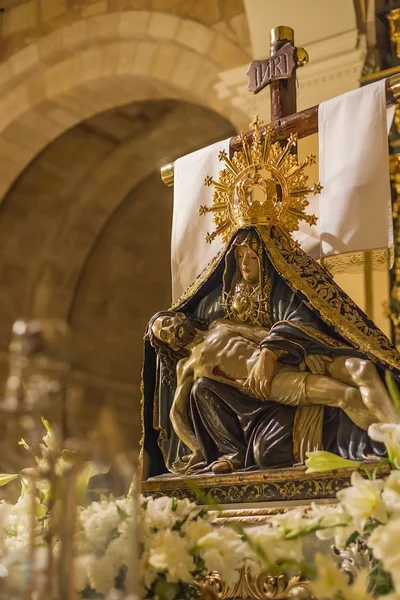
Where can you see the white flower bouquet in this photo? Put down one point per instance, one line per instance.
(178, 544)
(160, 547)
(170, 543)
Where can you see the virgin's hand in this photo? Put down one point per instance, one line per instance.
(260, 377)
(317, 363)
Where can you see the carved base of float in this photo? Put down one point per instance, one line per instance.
(287, 485)
(252, 498)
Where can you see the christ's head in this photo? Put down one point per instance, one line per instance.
(170, 333)
(175, 329)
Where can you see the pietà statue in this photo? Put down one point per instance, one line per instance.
(264, 357)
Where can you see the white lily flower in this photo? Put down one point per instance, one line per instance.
(329, 580)
(363, 501)
(165, 512)
(334, 522)
(391, 491)
(384, 541)
(81, 566)
(293, 522)
(389, 434)
(269, 540)
(328, 516)
(169, 552)
(224, 551)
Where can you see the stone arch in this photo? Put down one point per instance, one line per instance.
(100, 62)
(25, 21)
(99, 197)
(66, 251)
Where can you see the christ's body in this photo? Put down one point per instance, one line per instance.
(228, 352)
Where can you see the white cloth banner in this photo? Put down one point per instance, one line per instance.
(190, 253)
(354, 210)
(355, 203)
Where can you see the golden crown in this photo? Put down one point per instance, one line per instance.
(263, 184)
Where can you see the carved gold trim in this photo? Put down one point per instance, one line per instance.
(264, 586)
(394, 170)
(261, 586)
(277, 486)
(258, 516)
(172, 481)
(397, 117)
(379, 259)
(394, 22)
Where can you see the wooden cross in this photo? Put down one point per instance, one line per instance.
(279, 72)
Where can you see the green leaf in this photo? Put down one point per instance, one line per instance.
(203, 498)
(379, 466)
(366, 471)
(47, 426)
(89, 470)
(371, 525)
(199, 562)
(350, 540)
(12, 532)
(165, 590)
(383, 582)
(69, 456)
(6, 478)
(393, 390)
(121, 513)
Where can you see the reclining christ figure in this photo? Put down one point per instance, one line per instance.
(226, 352)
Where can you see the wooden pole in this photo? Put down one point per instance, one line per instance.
(283, 91)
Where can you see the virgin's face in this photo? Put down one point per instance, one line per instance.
(247, 261)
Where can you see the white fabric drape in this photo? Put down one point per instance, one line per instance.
(355, 204)
(189, 252)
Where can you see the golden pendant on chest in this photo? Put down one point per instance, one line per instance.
(242, 307)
